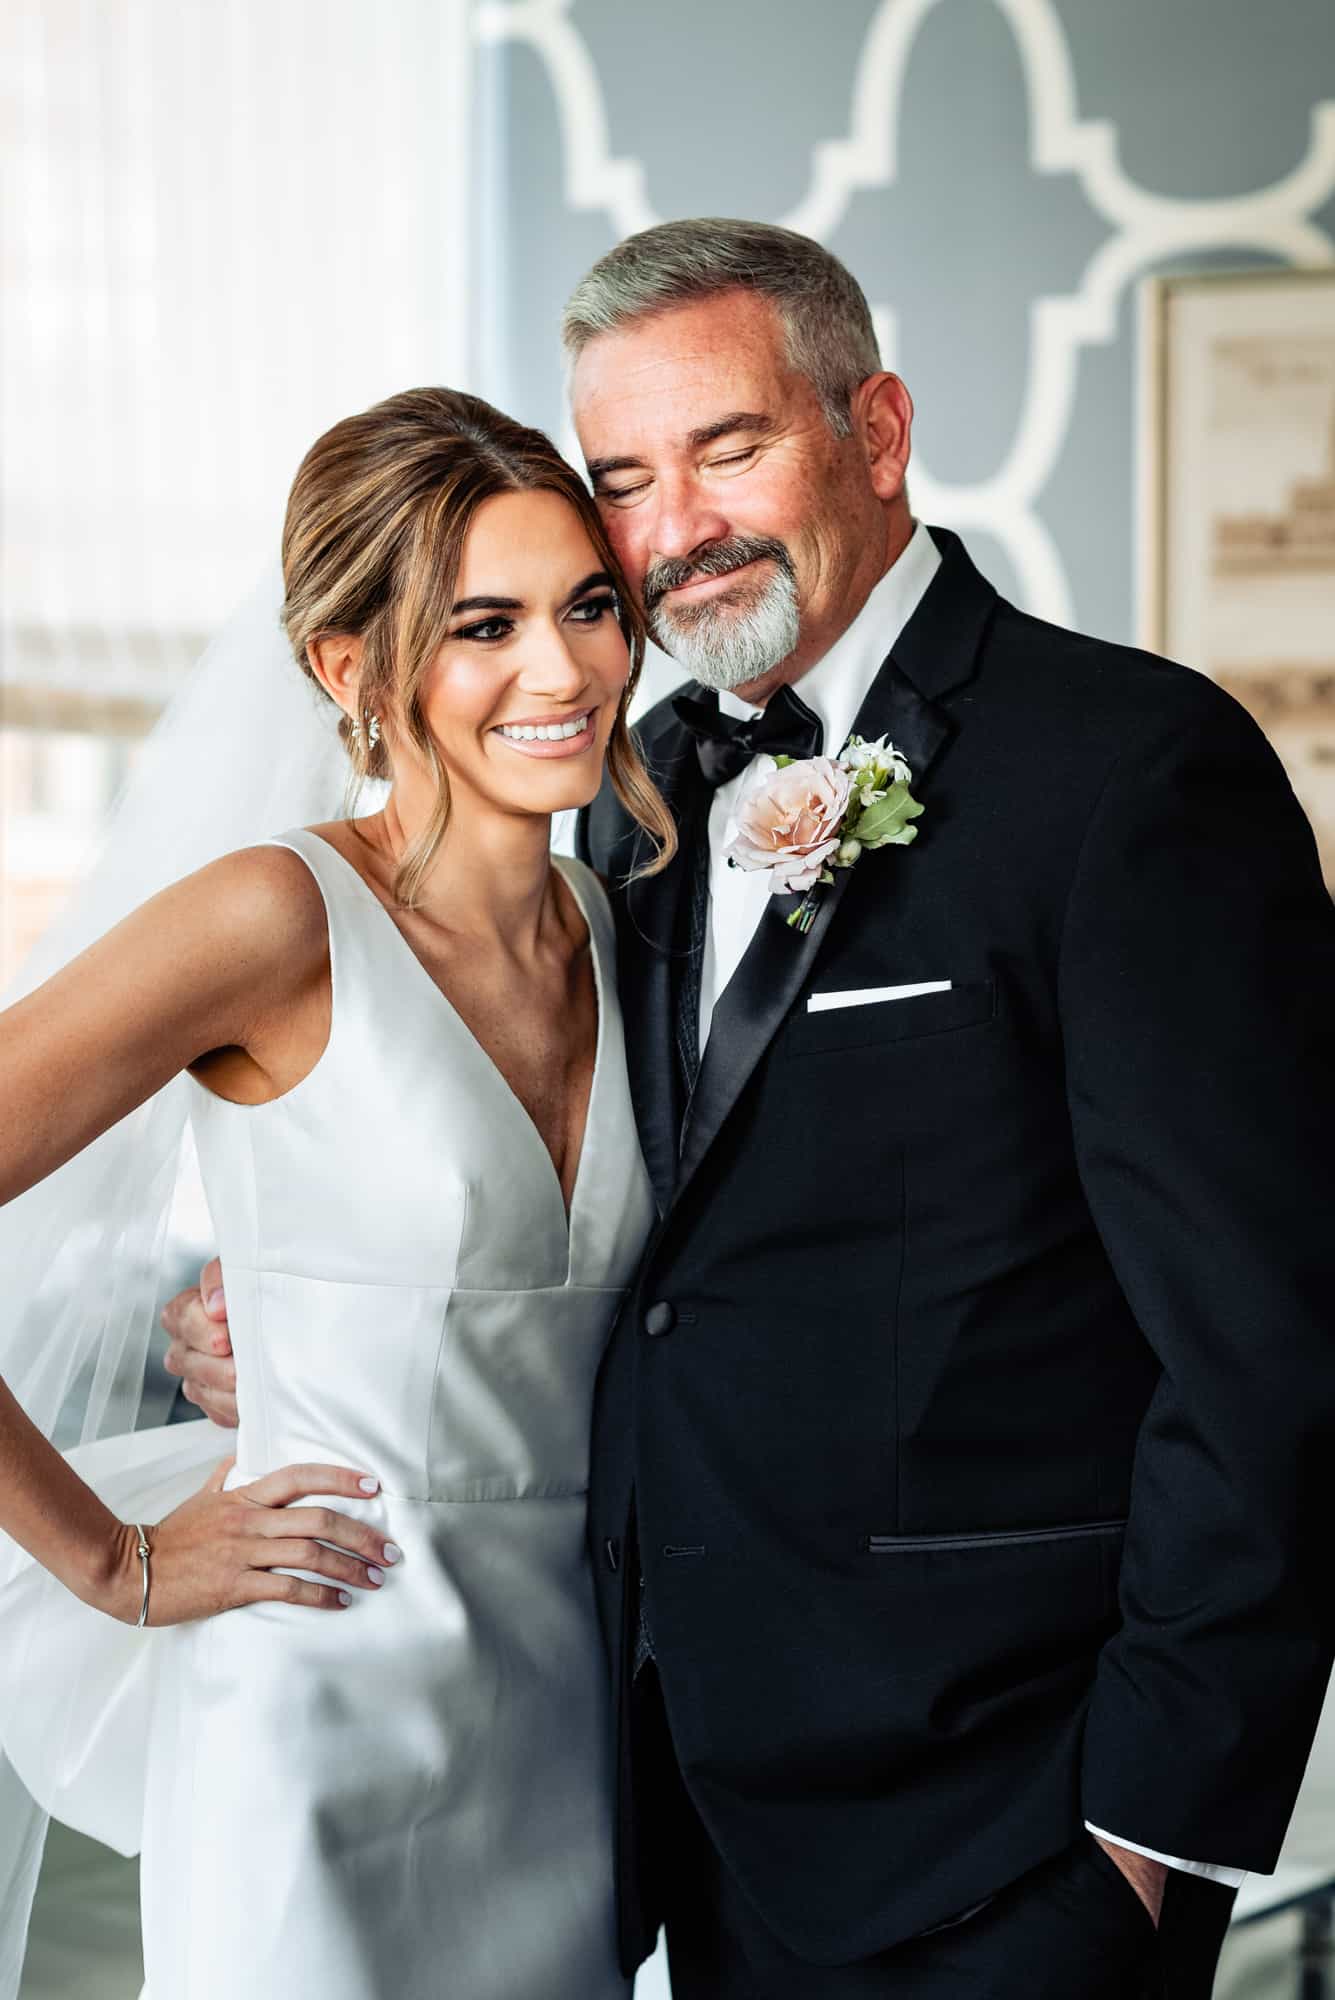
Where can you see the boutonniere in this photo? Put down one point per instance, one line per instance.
(800, 819)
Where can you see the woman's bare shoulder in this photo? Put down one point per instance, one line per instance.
(260, 901)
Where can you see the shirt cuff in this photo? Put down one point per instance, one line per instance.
(1232, 1878)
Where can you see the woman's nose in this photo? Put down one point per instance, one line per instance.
(551, 667)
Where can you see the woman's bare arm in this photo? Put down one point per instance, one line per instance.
(212, 963)
(208, 964)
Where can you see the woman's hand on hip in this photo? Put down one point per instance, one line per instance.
(222, 1549)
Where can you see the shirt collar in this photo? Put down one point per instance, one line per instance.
(835, 686)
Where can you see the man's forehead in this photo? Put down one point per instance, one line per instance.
(666, 377)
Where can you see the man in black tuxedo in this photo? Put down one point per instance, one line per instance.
(961, 1494)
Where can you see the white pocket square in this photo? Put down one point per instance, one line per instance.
(868, 996)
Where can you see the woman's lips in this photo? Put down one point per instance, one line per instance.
(564, 746)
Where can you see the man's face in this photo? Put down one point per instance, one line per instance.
(748, 528)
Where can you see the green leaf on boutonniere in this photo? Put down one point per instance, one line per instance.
(782, 760)
(887, 822)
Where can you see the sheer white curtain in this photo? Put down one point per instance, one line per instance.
(226, 224)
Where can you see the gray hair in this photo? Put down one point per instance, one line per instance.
(823, 310)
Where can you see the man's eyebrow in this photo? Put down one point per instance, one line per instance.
(736, 420)
(597, 467)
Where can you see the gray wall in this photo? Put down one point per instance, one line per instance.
(1000, 174)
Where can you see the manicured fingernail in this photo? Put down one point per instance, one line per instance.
(345, 1597)
(369, 1485)
(393, 1553)
(214, 1300)
(376, 1575)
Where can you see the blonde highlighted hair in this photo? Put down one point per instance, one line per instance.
(372, 544)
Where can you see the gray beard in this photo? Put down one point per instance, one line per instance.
(725, 646)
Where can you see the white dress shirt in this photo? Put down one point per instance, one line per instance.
(834, 689)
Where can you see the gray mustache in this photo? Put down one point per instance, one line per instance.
(718, 559)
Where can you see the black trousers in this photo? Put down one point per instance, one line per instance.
(1071, 1929)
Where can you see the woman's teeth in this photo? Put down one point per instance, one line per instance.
(545, 732)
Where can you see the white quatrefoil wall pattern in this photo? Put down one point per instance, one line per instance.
(998, 173)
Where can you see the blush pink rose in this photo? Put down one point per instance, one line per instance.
(787, 821)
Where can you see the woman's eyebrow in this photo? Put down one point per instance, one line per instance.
(590, 582)
(486, 604)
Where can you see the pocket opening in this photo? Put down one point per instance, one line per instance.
(889, 1545)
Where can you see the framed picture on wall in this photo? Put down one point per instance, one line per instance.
(1238, 503)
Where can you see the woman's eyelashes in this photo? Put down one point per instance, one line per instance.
(592, 610)
(486, 630)
(490, 631)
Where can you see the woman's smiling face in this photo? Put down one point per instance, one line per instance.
(521, 697)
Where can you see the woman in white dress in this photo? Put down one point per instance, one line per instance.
(363, 1737)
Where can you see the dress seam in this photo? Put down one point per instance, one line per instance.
(484, 1499)
(429, 1284)
(439, 1362)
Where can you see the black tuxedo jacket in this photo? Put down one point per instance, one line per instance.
(973, 1416)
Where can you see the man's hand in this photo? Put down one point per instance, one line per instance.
(1146, 1877)
(200, 1347)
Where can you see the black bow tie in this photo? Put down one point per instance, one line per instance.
(725, 744)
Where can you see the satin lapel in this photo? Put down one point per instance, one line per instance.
(757, 997)
(777, 961)
(651, 962)
(938, 647)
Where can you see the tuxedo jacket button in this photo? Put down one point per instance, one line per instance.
(660, 1318)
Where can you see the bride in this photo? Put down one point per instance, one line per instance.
(349, 1692)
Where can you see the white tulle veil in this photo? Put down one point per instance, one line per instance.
(247, 748)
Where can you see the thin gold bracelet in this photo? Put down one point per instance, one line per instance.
(144, 1553)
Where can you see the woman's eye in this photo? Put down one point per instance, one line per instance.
(486, 628)
(590, 610)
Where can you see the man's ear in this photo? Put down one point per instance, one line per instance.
(882, 415)
(335, 659)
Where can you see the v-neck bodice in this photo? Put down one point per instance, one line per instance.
(402, 1184)
(570, 873)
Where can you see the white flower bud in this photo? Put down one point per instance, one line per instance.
(848, 853)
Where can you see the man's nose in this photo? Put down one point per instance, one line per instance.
(683, 519)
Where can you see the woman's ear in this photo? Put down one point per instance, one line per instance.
(335, 658)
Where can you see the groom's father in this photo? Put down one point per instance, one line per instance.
(962, 1460)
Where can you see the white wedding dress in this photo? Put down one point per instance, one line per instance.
(409, 1799)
